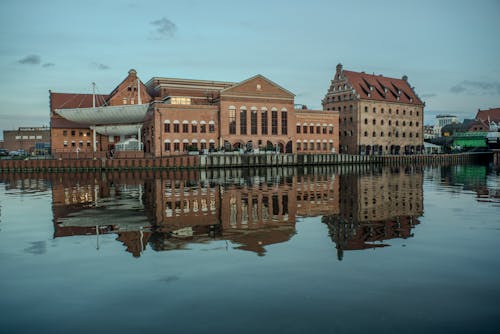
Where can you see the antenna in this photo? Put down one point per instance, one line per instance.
(93, 95)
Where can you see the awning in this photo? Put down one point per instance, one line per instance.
(130, 113)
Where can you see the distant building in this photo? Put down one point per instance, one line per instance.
(491, 117)
(429, 132)
(377, 114)
(443, 120)
(27, 139)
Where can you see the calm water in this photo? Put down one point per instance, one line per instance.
(274, 251)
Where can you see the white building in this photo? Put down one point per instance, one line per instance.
(442, 120)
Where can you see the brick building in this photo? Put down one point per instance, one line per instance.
(90, 123)
(182, 115)
(26, 138)
(377, 114)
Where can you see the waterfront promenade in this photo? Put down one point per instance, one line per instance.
(230, 161)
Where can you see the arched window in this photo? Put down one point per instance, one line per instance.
(382, 134)
(374, 134)
(253, 121)
(374, 121)
(243, 120)
(382, 122)
(274, 121)
(366, 120)
(366, 133)
(366, 109)
(263, 121)
(232, 120)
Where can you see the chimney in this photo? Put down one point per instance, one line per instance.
(339, 68)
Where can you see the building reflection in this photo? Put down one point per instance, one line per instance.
(249, 209)
(376, 206)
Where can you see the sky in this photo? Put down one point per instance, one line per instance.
(449, 50)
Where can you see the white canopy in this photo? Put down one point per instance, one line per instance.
(130, 113)
(117, 130)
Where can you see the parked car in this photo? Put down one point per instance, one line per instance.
(3, 152)
(18, 153)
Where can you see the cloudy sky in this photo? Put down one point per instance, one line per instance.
(448, 49)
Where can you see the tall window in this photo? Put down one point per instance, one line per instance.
(243, 121)
(185, 128)
(298, 128)
(194, 128)
(284, 122)
(264, 122)
(232, 121)
(274, 122)
(253, 122)
(167, 147)
(211, 127)
(176, 127)
(203, 128)
(167, 127)
(176, 146)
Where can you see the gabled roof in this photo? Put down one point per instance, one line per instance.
(490, 115)
(256, 77)
(380, 88)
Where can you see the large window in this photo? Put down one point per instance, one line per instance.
(243, 121)
(274, 122)
(284, 122)
(232, 121)
(167, 127)
(194, 128)
(253, 122)
(176, 127)
(264, 122)
(167, 147)
(185, 128)
(211, 127)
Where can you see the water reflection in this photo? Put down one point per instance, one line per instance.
(362, 206)
(376, 206)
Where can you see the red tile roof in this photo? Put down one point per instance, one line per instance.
(380, 88)
(68, 101)
(490, 115)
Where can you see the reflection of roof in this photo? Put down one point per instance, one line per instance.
(377, 87)
(133, 113)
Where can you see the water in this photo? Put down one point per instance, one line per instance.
(274, 251)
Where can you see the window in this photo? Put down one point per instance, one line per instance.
(318, 129)
(65, 143)
(324, 146)
(232, 121)
(211, 127)
(243, 121)
(167, 127)
(374, 134)
(404, 134)
(374, 121)
(311, 129)
(194, 128)
(374, 110)
(88, 144)
(176, 128)
(263, 122)
(382, 134)
(382, 110)
(305, 146)
(80, 143)
(404, 123)
(416, 123)
(65, 133)
(404, 112)
(305, 129)
(390, 111)
(179, 100)
(253, 122)
(397, 111)
(318, 146)
(390, 122)
(73, 144)
(185, 128)
(311, 146)
(350, 108)
(381, 122)
(366, 133)
(411, 123)
(298, 129)
(185, 147)
(177, 147)
(324, 130)
(274, 122)
(298, 146)
(203, 128)
(416, 134)
(330, 129)
(397, 123)
(73, 132)
(284, 122)
(366, 109)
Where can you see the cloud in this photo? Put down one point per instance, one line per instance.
(428, 96)
(48, 65)
(30, 60)
(164, 28)
(100, 66)
(476, 88)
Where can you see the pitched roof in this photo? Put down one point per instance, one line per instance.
(258, 76)
(71, 100)
(490, 115)
(380, 88)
